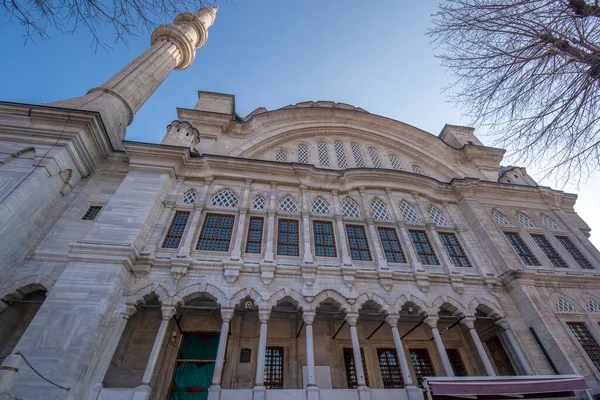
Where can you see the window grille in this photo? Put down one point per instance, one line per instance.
(258, 203)
(421, 363)
(549, 251)
(176, 229)
(350, 208)
(391, 245)
(281, 156)
(592, 306)
(549, 222)
(92, 213)
(357, 154)
(340, 154)
(581, 260)
(565, 306)
(357, 241)
(288, 205)
(216, 232)
(225, 198)
(395, 161)
(499, 218)
(323, 154)
(288, 238)
(374, 157)
(524, 220)
(391, 373)
(255, 235)
(417, 170)
(586, 340)
(408, 212)
(324, 239)
(380, 210)
(189, 197)
(454, 249)
(423, 247)
(320, 206)
(351, 380)
(437, 216)
(273, 377)
(521, 248)
(457, 363)
(302, 154)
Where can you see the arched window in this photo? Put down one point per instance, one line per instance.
(302, 154)
(417, 170)
(281, 156)
(374, 157)
(437, 216)
(350, 208)
(563, 305)
(592, 306)
(408, 212)
(549, 222)
(323, 154)
(189, 197)
(258, 203)
(225, 198)
(395, 161)
(499, 218)
(340, 153)
(357, 154)
(524, 220)
(288, 205)
(320, 206)
(380, 210)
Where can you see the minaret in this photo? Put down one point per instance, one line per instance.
(173, 47)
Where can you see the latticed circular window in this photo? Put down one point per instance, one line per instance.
(408, 212)
(549, 222)
(225, 198)
(320, 206)
(258, 203)
(563, 305)
(380, 210)
(288, 205)
(524, 220)
(350, 208)
(437, 216)
(189, 197)
(499, 218)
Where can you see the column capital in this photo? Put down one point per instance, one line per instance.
(263, 315)
(130, 309)
(351, 318)
(432, 321)
(469, 322)
(392, 320)
(227, 313)
(503, 323)
(308, 317)
(168, 310)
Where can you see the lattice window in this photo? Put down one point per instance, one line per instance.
(324, 239)
(374, 157)
(423, 247)
(288, 205)
(323, 154)
(437, 216)
(592, 306)
(216, 232)
(189, 197)
(565, 306)
(320, 206)
(521, 248)
(587, 341)
(302, 154)
(255, 235)
(274, 368)
(225, 198)
(358, 243)
(391, 245)
(395, 161)
(391, 373)
(288, 239)
(176, 229)
(408, 212)
(350, 208)
(92, 213)
(417, 170)
(549, 222)
(281, 156)
(357, 154)
(549, 251)
(499, 218)
(581, 260)
(454, 249)
(340, 153)
(456, 362)
(258, 203)
(380, 210)
(524, 220)
(421, 362)
(351, 380)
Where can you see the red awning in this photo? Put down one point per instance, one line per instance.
(504, 387)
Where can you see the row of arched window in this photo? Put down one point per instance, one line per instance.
(524, 220)
(565, 306)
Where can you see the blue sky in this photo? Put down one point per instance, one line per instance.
(373, 55)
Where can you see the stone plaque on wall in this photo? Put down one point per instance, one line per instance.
(245, 356)
(200, 323)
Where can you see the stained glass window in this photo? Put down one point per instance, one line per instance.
(391, 245)
(587, 341)
(521, 248)
(581, 260)
(216, 232)
(351, 380)
(391, 373)
(324, 239)
(358, 243)
(255, 235)
(288, 238)
(421, 362)
(456, 362)
(274, 368)
(176, 229)
(423, 247)
(549, 251)
(454, 249)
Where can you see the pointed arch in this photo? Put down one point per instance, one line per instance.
(380, 210)
(291, 294)
(195, 290)
(189, 197)
(350, 208)
(437, 216)
(288, 204)
(486, 306)
(224, 198)
(420, 303)
(408, 212)
(384, 306)
(450, 304)
(524, 219)
(156, 289)
(499, 217)
(27, 285)
(259, 202)
(344, 305)
(320, 206)
(248, 293)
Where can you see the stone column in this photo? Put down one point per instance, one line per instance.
(469, 322)
(312, 391)
(432, 322)
(392, 320)
(380, 259)
(308, 256)
(351, 319)
(214, 392)
(8, 372)
(236, 253)
(510, 336)
(142, 392)
(341, 230)
(259, 390)
(271, 210)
